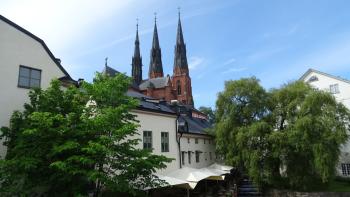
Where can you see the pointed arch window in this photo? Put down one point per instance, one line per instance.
(178, 84)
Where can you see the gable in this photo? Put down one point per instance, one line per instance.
(39, 41)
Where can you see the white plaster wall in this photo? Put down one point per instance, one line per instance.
(204, 158)
(323, 83)
(158, 123)
(16, 49)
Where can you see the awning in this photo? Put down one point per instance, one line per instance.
(221, 167)
(176, 182)
(188, 174)
(189, 177)
(214, 174)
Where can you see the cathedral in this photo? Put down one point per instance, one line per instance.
(175, 87)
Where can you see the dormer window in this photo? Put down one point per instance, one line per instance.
(312, 79)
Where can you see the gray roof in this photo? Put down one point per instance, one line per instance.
(196, 125)
(155, 106)
(302, 78)
(158, 82)
(137, 95)
(110, 71)
(148, 103)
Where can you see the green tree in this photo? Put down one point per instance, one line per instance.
(295, 128)
(209, 112)
(66, 142)
(242, 103)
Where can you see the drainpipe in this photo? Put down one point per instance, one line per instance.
(178, 139)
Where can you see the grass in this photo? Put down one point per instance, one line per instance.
(338, 185)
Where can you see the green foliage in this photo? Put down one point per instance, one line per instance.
(286, 137)
(209, 112)
(67, 142)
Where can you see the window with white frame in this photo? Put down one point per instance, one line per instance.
(334, 88)
(29, 77)
(165, 141)
(147, 139)
(345, 168)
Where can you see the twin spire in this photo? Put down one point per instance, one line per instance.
(156, 66)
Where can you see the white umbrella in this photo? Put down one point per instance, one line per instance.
(172, 181)
(217, 166)
(191, 175)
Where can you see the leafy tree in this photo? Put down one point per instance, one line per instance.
(209, 112)
(295, 128)
(66, 142)
(241, 104)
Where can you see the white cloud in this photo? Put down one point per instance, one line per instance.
(230, 61)
(60, 22)
(231, 70)
(194, 62)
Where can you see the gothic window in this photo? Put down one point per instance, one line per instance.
(178, 87)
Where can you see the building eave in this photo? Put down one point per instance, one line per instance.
(303, 77)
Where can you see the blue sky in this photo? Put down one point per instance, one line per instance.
(274, 40)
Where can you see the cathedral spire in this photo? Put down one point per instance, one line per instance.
(136, 70)
(180, 60)
(155, 67)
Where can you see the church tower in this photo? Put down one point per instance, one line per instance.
(181, 78)
(155, 67)
(136, 71)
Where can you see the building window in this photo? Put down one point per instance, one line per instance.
(147, 139)
(29, 77)
(209, 141)
(206, 156)
(204, 141)
(196, 140)
(189, 157)
(165, 141)
(210, 156)
(334, 88)
(312, 78)
(183, 157)
(197, 156)
(188, 140)
(345, 168)
(178, 87)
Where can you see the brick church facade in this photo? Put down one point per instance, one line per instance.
(175, 87)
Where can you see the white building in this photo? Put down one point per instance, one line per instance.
(25, 62)
(340, 89)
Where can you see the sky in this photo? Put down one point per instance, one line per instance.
(273, 40)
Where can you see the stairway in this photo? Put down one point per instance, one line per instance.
(247, 189)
